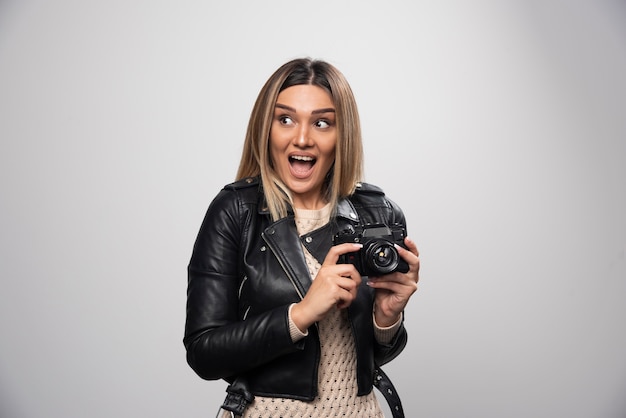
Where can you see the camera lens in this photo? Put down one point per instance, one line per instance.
(382, 257)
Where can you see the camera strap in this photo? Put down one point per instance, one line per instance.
(386, 388)
(238, 396)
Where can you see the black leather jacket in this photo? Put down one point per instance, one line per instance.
(244, 273)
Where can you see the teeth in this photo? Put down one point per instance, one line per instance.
(302, 158)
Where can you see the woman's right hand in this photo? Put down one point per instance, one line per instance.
(335, 285)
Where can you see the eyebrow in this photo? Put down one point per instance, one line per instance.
(315, 112)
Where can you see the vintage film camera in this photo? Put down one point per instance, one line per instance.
(378, 255)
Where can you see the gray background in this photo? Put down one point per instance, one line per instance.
(499, 127)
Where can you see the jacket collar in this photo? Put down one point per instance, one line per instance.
(345, 208)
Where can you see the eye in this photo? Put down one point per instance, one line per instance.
(285, 120)
(322, 123)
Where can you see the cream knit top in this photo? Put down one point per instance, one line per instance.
(337, 384)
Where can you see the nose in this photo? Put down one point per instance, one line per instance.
(302, 138)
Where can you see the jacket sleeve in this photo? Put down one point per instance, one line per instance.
(384, 353)
(219, 342)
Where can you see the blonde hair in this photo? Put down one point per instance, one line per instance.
(347, 169)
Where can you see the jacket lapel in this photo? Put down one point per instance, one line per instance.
(282, 239)
(318, 242)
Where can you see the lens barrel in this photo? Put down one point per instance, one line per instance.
(381, 257)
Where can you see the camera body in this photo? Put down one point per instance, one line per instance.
(378, 255)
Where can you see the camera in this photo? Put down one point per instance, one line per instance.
(378, 255)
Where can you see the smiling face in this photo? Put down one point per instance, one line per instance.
(303, 137)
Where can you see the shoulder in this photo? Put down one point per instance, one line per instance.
(372, 202)
(368, 188)
(367, 194)
(245, 183)
(234, 199)
(246, 191)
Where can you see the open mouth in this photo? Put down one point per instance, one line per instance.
(301, 165)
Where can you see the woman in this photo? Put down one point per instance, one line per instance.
(273, 307)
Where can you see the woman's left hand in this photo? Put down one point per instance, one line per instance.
(394, 290)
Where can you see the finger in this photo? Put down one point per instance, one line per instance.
(338, 250)
(396, 277)
(350, 283)
(409, 255)
(349, 293)
(343, 275)
(392, 282)
(411, 245)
